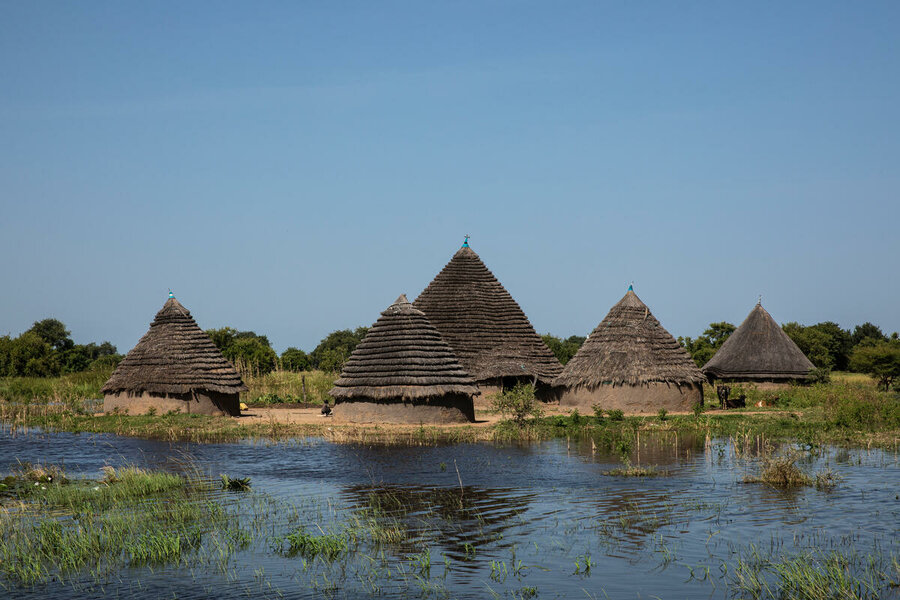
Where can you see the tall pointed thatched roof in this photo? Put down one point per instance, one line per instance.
(759, 349)
(483, 324)
(174, 357)
(630, 347)
(402, 356)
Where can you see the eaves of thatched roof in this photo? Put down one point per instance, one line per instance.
(486, 328)
(175, 356)
(759, 349)
(402, 357)
(630, 347)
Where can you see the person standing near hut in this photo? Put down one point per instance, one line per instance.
(761, 353)
(403, 372)
(487, 329)
(631, 363)
(175, 366)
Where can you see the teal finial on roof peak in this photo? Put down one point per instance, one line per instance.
(631, 287)
(171, 295)
(466, 241)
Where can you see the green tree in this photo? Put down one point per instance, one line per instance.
(813, 342)
(31, 356)
(54, 333)
(867, 331)
(880, 360)
(335, 349)
(294, 359)
(705, 346)
(840, 343)
(250, 353)
(563, 349)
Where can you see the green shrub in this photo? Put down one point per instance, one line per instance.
(616, 415)
(518, 403)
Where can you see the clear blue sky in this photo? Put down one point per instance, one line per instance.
(291, 168)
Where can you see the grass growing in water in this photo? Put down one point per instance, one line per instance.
(813, 575)
(128, 517)
(329, 546)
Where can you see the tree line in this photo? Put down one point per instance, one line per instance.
(864, 349)
(252, 354)
(47, 350)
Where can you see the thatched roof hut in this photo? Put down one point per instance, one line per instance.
(630, 362)
(759, 351)
(175, 366)
(486, 328)
(403, 372)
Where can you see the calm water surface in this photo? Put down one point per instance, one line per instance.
(526, 520)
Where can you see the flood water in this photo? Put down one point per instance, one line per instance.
(507, 521)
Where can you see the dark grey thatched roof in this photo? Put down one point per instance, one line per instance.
(630, 347)
(486, 328)
(759, 349)
(402, 357)
(174, 357)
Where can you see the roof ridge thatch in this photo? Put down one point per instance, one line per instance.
(630, 347)
(759, 349)
(175, 356)
(402, 356)
(483, 323)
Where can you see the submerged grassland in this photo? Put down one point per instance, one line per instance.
(53, 527)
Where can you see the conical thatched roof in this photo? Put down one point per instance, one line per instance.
(174, 357)
(630, 347)
(759, 349)
(483, 324)
(402, 356)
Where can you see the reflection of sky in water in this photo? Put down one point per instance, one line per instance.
(543, 504)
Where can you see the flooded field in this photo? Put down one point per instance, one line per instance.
(543, 520)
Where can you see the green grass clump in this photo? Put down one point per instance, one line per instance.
(813, 575)
(235, 484)
(328, 546)
(630, 470)
(783, 472)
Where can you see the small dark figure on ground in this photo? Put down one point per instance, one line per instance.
(326, 410)
(722, 392)
(739, 402)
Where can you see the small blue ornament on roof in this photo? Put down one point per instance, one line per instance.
(630, 287)
(466, 242)
(171, 295)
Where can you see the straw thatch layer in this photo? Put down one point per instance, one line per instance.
(483, 324)
(402, 357)
(174, 357)
(630, 347)
(759, 350)
(449, 408)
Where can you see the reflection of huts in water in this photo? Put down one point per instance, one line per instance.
(630, 362)
(759, 352)
(487, 330)
(454, 519)
(403, 372)
(175, 366)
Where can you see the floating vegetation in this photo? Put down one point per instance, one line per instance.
(629, 470)
(235, 484)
